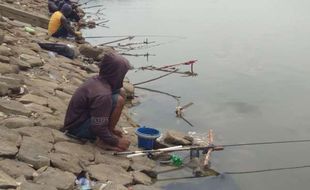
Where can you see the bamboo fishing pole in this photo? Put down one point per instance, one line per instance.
(95, 6)
(122, 39)
(216, 148)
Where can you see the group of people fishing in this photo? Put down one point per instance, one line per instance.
(62, 13)
(96, 106)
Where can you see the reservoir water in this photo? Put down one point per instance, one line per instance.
(253, 81)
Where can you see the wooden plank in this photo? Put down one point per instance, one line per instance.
(23, 16)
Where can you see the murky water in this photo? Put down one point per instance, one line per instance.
(253, 82)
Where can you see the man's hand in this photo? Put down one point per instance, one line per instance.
(117, 132)
(123, 144)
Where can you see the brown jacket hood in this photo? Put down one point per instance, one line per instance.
(113, 69)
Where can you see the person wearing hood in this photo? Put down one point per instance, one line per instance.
(96, 105)
(59, 26)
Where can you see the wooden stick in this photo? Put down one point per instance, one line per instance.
(208, 155)
(139, 83)
(216, 148)
(127, 38)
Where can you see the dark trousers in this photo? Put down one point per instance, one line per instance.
(62, 32)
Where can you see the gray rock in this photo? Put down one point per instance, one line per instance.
(176, 138)
(4, 59)
(90, 51)
(9, 1)
(4, 89)
(39, 133)
(56, 178)
(8, 39)
(5, 25)
(104, 172)
(108, 158)
(62, 95)
(61, 137)
(113, 186)
(22, 65)
(51, 123)
(67, 88)
(56, 103)
(35, 152)
(65, 162)
(141, 178)
(6, 68)
(83, 152)
(38, 108)
(1, 37)
(33, 186)
(24, 52)
(12, 107)
(6, 181)
(32, 60)
(5, 51)
(9, 141)
(17, 122)
(15, 168)
(142, 164)
(31, 98)
(34, 46)
(144, 187)
(13, 83)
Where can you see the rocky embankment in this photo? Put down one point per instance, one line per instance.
(35, 88)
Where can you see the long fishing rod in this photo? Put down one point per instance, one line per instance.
(266, 143)
(236, 173)
(220, 147)
(153, 79)
(84, 3)
(170, 150)
(94, 6)
(160, 92)
(127, 38)
(120, 36)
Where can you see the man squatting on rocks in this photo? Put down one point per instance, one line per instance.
(96, 105)
(59, 25)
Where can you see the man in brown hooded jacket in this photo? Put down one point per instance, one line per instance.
(96, 105)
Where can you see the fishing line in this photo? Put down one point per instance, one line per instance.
(267, 170)
(266, 143)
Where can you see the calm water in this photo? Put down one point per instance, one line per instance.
(253, 83)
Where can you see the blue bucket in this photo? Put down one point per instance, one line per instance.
(147, 137)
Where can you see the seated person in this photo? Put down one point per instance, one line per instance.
(55, 5)
(52, 6)
(96, 105)
(59, 26)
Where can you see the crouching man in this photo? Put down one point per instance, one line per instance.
(96, 105)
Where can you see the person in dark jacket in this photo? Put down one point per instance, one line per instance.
(96, 105)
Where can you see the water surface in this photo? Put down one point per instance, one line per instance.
(253, 82)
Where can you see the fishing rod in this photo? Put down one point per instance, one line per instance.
(220, 147)
(171, 150)
(267, 143)
(95, 6)
(84, 3)
(160, 92)
(120, 36)
(122, 39)
(150, 80)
